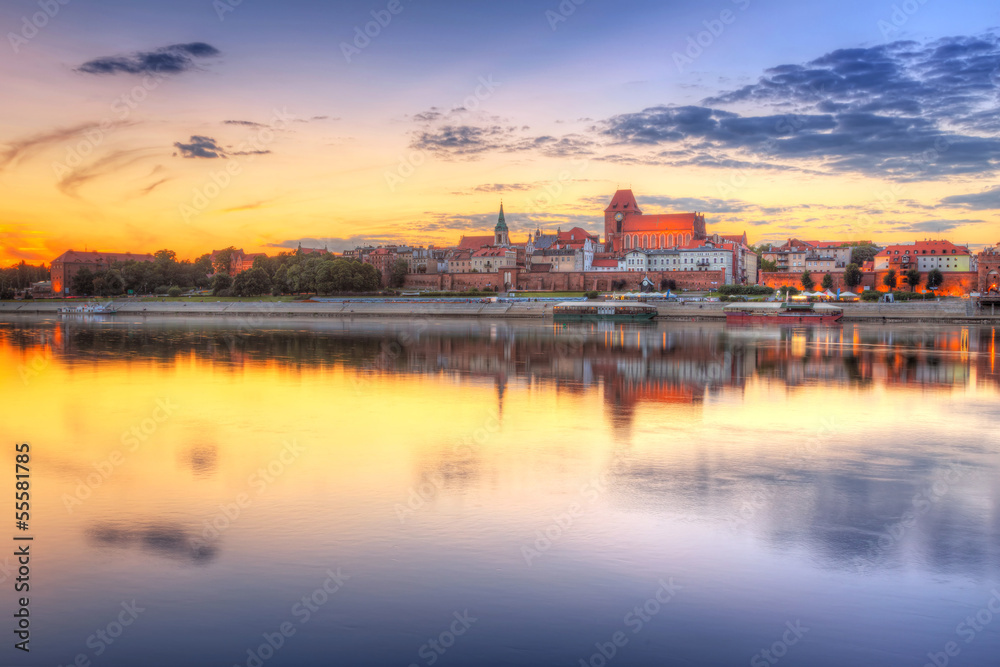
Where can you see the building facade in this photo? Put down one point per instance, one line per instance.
(925, 255)
(71, 262)
(626, 227)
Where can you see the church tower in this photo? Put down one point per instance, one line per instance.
(501, 237)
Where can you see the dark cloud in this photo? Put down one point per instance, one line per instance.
(247, 123)
(473, 141)
(902, 110)
(200, 146)
(173, 59)
(977, 201)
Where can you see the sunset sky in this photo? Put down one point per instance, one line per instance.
(193, 125)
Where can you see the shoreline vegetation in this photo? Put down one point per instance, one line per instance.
(256, 310)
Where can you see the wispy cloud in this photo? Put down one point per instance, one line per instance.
(103, 166)
(21, 148)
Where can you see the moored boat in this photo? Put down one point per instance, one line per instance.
(89, 309)
(783, 313)
(604, 310)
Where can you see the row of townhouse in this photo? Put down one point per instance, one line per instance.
(705, 258)
(796, 255)
(925, 256)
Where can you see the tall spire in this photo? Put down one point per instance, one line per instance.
(501, 236)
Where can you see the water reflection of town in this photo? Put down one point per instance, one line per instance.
(655, 363)
(838, 503)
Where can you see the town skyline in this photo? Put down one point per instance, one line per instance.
(135, 128)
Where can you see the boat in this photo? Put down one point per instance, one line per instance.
(605, 310)
(89, 309)
(782, 313)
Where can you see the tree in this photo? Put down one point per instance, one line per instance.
(912, 278)
(82, 282)
(890, 280)
(827, 282)
(934, 279)
(253, 282)
(852, 275)
(864, 253)
(767, 266)
(398, 275)
(221, 282)
(223, 260)
(807, 280)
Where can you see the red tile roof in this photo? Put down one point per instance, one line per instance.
(576, 234)
(93, 256)
(623, 200)
(664, 222)
(475, 242)
(938, 247)
(604, 262)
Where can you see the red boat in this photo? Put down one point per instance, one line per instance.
(782, 313)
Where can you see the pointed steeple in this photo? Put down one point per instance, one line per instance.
(501, 236)
(501, 223)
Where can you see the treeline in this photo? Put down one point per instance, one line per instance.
(158, 276)
(299, 273)
(746, 290)
(19, 277)
(287, 273)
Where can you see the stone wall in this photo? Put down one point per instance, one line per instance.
(955, 282)
(575, 281)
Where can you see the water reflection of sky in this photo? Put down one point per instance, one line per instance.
(543, 477)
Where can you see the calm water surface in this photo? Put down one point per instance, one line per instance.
(496, 493)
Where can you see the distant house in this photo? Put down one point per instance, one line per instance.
(239, 261)
(71, 262)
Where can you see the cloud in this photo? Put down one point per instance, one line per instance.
(248, 123)
(173, 59)
(21, 148)
(103, 166)
(200, 146)
(933, 226)
(902, 110)
(149, 188)
(976, 201)
(248, 207)
(503, 187)
(470, 140)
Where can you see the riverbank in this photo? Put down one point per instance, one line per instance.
(945, 312)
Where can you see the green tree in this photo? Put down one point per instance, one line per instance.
(807, 281)
(82, 282)
(852, 275)
(912, 278)
(253, 282)
(862, 253)
(220, 283)
(174, 291)
(827, 282)
(399, 271)
(890, 280)
(767, 265)
(223, 260)
(934, 279)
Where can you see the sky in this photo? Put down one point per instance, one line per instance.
(199, 124)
